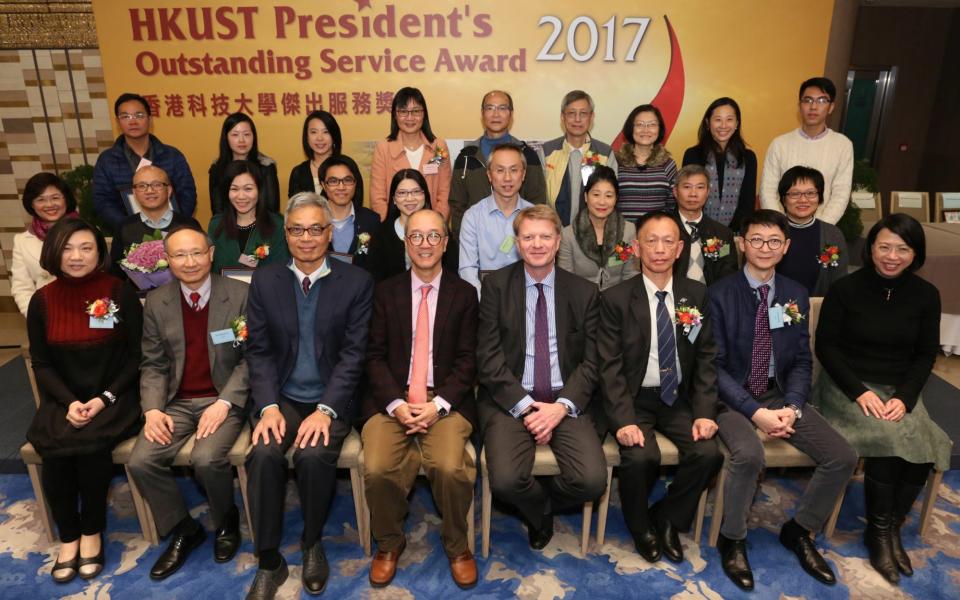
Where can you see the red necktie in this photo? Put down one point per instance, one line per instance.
(195, 300)
(417, 392)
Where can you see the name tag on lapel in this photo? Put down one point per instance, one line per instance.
(431, 169)
(725, 250)
(97, 323)
(222, 336)
(694, 332)
(776, 317)
(248, 261)
(507, 244)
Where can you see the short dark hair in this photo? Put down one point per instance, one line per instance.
(186, 226)
(656, 215)
(492, 92)
(819, 82)
(392, 210)
(127, 97)
(37, 184)
(344, 161)
(507, 146)
(602, 173)
(793, 175)
(51, 254)
(765, 216)
(400, 99)
(628, 124)
(333, 128)
(909, 230)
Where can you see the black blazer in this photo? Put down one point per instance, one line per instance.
(501, 339)
(343, 316)
(623, 345)
(454, 344)
(714, 269)
(387, 251)
(301, 180)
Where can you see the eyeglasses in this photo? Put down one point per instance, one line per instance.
(433, 238)
(338, 181)
(409, 112)
(772, 243)
(647, 125)
(496, 108)
(809, 194)
(153, 185)
(196, 255)
(313, 230)
(131, 116)
(575, 114)
(404, 194)
(51, 199)
(818, 100)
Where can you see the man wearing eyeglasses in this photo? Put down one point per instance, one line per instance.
(764, 367)
(152, 189)
(193, 383)
(421, 364)
(470, 183)
(307, 323)
(136, 148)
(814, 145)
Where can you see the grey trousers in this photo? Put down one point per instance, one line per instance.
(150, 464)
(835, 460)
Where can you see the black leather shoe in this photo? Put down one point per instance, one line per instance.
(316, 569)
(176, 553)
(64, 572)
(668, 537)
(227, 542)
(810, 558)
(733, 559)
(648, 546)
(267, 582)
(541, 536)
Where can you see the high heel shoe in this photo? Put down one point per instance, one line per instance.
(91, 567)
(70, 566)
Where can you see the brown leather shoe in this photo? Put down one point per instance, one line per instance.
(463, 568)
(384, 566)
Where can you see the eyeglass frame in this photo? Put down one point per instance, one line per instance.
(138, 116)
(307, 230)
(340, 181)
(758, 243)
(425, 237)
(156, 186)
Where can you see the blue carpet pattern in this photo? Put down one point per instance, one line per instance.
(512, 570)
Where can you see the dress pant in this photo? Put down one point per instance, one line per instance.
(510, 451)
(86, 478)
(640, 467)
(813, 436)
(150, 463)
(391, 462)
(316, 471)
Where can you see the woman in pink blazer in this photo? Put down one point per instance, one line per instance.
(410, 145)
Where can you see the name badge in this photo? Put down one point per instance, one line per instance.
(431, 169)
(614, 261)
(248, 261)
(694, 332)
(776, 317)
(98, 323)
(507, 244)
(725, 250)
(222, 336)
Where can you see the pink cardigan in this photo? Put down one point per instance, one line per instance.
(389, 157)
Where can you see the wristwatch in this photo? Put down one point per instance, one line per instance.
(441, 411)
(108, 397)
(325, 411)
(796, 410)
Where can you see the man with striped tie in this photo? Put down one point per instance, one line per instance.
(656, 353)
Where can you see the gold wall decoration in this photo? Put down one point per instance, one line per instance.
(28, 25)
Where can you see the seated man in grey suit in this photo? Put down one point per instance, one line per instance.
(193, 382)
(536, 359)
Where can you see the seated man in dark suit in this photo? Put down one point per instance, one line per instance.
(656, 352)
(536, 358)
(307, 324)
(420, 408)
(708, 253)
(193, 382)
(764, 368)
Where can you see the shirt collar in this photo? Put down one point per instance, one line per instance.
(548, 281)
(570, 148)
(204, 291)
(164, 221)
(320, 273)
(340, 223)
(755, 283)
(416, 283)
(819, 136)
(490, 205)
(652, 288)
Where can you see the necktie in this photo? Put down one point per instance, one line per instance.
(195, 300)
(760, 357)
(666, 352)
(306, 286)
(694, 230)
(542, 387)
(417, 391)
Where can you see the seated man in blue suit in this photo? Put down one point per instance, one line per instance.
(764, 364)
(307, 323)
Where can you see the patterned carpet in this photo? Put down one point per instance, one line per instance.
(512, 570)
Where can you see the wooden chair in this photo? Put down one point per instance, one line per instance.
(920, 213)
(471, 520)
(669, 456)
(870, 206)
(349, 459)
(544, 464)
(945, 201)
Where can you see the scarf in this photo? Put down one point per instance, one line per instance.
(721, 207)
(587, 238)
(41, 228)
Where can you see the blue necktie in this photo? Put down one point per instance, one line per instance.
(542, 387)
(666, 352)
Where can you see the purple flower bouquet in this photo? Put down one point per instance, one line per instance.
(146, 265)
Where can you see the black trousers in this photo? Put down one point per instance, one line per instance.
(894, 470)
(639, 467)
(316, 471)
(71, 480)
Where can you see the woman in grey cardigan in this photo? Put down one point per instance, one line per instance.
(597, 245)
(817, 254)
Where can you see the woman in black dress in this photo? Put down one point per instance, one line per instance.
(238, 141)
(320, 139)
(877, 339)
(84, 331)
